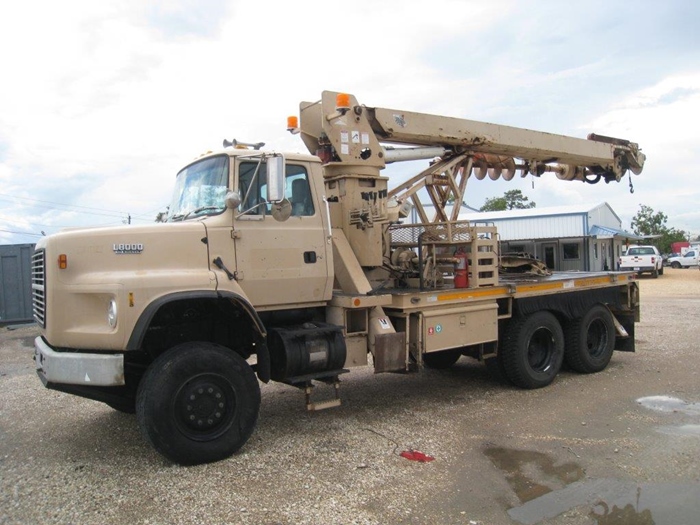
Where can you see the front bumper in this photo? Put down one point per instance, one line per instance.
(74, 368)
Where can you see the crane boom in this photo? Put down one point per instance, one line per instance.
(355, 142)
(352, 133)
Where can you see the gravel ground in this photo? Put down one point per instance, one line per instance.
(67, 460)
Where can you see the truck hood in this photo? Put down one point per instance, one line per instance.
(104, 253)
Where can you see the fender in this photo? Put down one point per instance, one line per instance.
(139, 332)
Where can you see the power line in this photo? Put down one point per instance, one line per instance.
(67, 208)
(22, 233)
(61, 204)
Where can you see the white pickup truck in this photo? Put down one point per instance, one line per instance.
(642, 259)
(689, 260)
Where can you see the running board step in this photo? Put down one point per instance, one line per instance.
(322, 405)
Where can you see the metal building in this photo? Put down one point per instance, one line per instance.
(16, 283)
(581, 237)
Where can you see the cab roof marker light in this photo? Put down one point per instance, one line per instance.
(63, 261)
(293, 124)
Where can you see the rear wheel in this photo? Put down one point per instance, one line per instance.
(533, 350)
(198, 403)
(496, 368)
(661, 271)
(590, 340)
(439, 360)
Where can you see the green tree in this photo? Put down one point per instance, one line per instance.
(512, 199)
(649, 222)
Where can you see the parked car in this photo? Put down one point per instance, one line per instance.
(642, 259)
(689, 260)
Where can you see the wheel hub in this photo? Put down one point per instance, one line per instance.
(540, 350)
(205, 406)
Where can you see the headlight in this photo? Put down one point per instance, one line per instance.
(112, 313)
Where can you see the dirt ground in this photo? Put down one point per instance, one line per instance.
(618, 447)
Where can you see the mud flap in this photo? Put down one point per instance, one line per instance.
(625, 343)
(390, 353)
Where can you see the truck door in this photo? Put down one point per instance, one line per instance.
(284, 261)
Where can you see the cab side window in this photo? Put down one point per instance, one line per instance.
(252, 186)
(298, 192)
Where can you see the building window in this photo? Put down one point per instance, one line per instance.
(595, 250)
(570, 250)
(516, 248)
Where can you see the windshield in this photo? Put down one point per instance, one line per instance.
(200, 189)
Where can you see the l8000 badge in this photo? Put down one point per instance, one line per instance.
(120, 249)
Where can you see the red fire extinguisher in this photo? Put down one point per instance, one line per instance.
(461, 269)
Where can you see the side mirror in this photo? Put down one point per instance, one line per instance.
(275, 178)
(233, 200)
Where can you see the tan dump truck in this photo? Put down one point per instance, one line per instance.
(296, 268)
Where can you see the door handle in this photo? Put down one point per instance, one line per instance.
(309, 257)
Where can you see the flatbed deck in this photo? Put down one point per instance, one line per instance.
(510, 286)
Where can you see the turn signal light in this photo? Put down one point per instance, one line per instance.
(63, 261)
(292, 123)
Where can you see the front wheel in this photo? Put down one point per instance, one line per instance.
(198, 403)
(533, 350)
(675, 264)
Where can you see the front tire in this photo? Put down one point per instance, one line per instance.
(675, 264)
(533, 350)
(590, 341)
(198, 403)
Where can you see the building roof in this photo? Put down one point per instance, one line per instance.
(575, 209)
(606, 232)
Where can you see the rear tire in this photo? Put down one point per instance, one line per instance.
(496, 368)
(198, 403)
(441, 360)
(661, 271)
(533, 350)
(590, 341)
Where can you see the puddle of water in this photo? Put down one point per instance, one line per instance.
(669, 404)
(617, 502)
(532, 474)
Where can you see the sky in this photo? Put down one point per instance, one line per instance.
(101, 103)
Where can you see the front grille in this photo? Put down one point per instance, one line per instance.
(39, 288)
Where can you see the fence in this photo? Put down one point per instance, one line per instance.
(16, 283)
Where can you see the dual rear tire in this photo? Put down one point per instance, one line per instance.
(534, 347)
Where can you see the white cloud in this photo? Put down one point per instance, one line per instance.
(107, 100)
